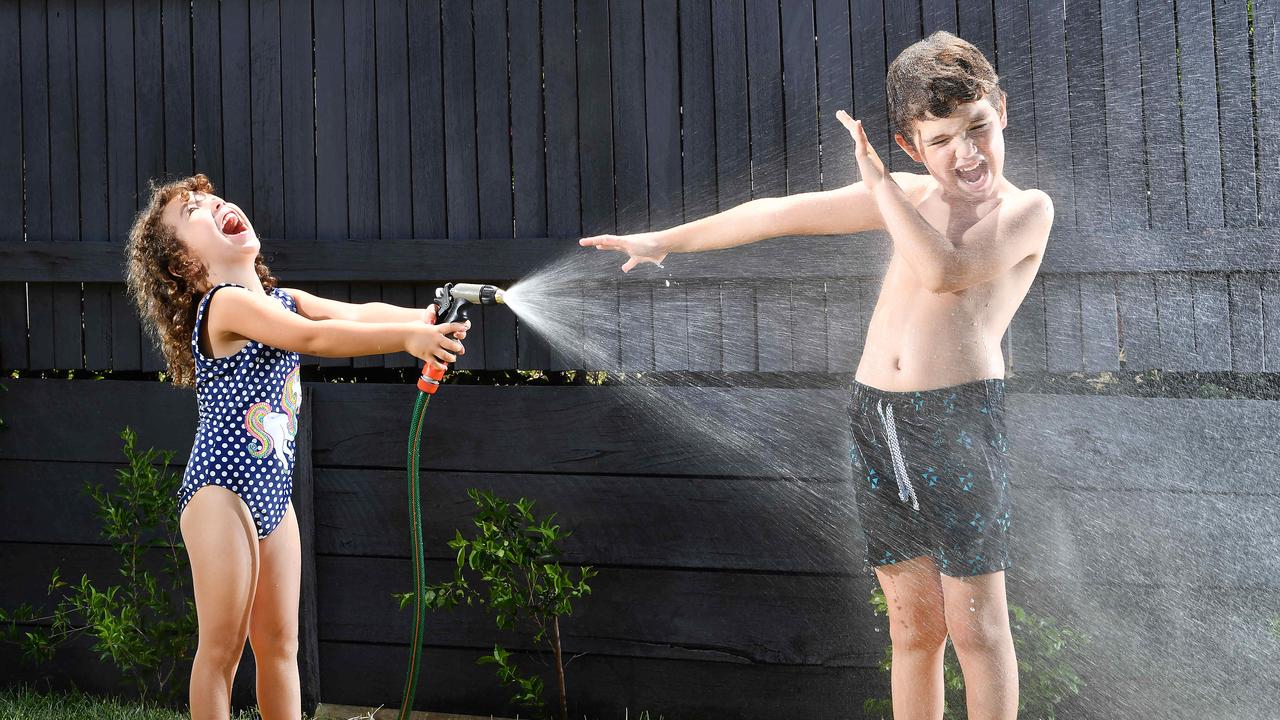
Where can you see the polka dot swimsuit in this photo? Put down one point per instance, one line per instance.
(248, 404)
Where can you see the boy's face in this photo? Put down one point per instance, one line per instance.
(964, 152)
(215, 230)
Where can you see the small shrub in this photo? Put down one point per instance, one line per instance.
(516, 557)
(1045, 674)
(147, 624)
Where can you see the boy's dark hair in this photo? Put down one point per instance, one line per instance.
(931, 77)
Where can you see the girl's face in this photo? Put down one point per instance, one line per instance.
(213, 229)
(964, 152)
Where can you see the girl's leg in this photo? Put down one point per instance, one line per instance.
(918, 631)
(222, 543)
(273, 626)
(978, 619)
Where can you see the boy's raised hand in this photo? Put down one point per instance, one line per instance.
(641, 247)
(869, 162)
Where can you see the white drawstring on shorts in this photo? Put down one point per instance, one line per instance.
(905, 489)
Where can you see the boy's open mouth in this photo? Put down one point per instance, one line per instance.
(232, 224)
(974, 174)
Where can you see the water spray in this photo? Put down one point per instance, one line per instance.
(452, 304)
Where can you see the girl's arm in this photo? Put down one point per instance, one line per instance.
(847, 210)
(244, 315)
(318, 308)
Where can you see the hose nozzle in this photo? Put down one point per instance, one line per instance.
(475, 293)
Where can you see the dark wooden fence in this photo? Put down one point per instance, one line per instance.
(380, 147)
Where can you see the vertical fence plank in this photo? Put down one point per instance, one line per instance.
(1198, 74)
(800, 95)
(1160, 114)
(1030, 345)
(1013, 62)
(765, 100)
(1086, 94)
(1271, 322)
(773, 323)
(36, 156)
(1126, 166)
(546, 182)
(1235, 104)
(1212, 321)
(977, 25)
(237, 135)
(901, 29)
(298, 119)
(265, 127)
(460, 120)
(1099, 323)
(662, 119)
(363, 192)
(91, 114)
(939, 15)
(698, 169)
(630, 145)
(13, 296)
(122, 172)
(426, 121)
(738, 326)
(1266, 70)
(391, 60)
(148, 73)
(206, 97)
(308, 613)
(596, 165)
(809, 320)
(179, 129)
(705, 328)
(1247, 350)
(1063, 342)
(1139, 330)
(1176, 308)
(637, 323)
(331, 141)
(845, 324)
(1053, 106)
(835, 92)
(64, 170)
(733, 168)
(494, 170)
(869, 101)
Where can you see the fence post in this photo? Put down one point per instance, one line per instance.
(308, 620)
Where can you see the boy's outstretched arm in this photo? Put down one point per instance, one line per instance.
(846, 210)
(1013, 232)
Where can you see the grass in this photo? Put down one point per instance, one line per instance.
(25, 703)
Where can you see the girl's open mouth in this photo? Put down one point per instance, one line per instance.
(232, 224)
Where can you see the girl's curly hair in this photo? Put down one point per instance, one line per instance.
(166, 281)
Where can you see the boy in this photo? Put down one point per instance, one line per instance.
(928, 400)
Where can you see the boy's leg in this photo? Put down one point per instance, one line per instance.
(222, 543)
(978, 621)
(918, 631)
(273, 626)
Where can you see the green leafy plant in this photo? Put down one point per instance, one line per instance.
(1046, 676)
(147, 624)
(515, 557)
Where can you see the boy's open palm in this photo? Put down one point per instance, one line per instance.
(641, 247)
(869, 163)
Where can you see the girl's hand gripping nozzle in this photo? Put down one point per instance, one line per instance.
(453, 301)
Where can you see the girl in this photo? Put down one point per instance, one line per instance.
(203, 290)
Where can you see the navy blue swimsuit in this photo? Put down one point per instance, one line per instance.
(248, 405)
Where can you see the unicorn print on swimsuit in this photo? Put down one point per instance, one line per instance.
(274, 431)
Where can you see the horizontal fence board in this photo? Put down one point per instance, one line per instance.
(742, 618)
(605, 686)
(708, 523)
